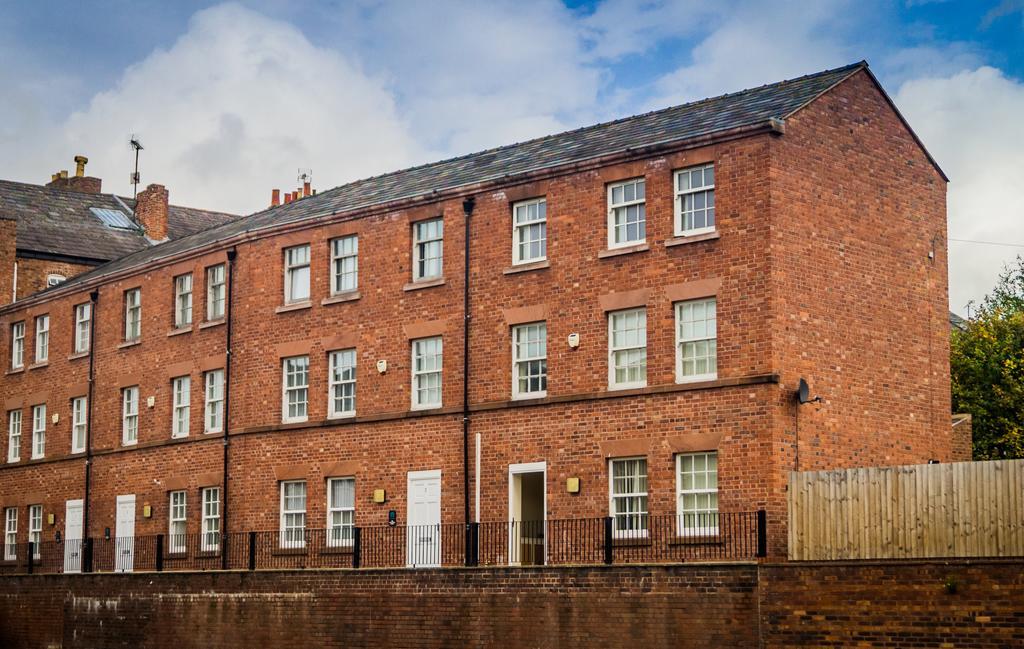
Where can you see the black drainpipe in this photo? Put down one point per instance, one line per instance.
(94, 298)
(467, 208)
(232, 253)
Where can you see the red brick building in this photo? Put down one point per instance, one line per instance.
(642, 298)
(51, 232)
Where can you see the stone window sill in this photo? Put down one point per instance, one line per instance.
(212, 323)
(178, 332)
(36, 366)
(524, 268)
(694, 238)
(75, 357)
(16, 370)
(347, 296)
(628, 250)
(130, 343)
(423, 283)
(295, 306)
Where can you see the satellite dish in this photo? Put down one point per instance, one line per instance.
(803, 393)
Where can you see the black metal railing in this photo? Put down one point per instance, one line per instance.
(590, 541)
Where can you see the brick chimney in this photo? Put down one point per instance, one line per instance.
(151, 211)
(79, 182)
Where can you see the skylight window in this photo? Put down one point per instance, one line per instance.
(114, 218)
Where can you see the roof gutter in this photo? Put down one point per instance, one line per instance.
(771, 125)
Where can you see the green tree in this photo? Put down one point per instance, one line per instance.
(987, 366)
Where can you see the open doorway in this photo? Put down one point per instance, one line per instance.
(527, 514)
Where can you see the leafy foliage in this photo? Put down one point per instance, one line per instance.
(987, 365)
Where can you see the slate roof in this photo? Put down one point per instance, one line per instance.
(59, 222)
(701, 118)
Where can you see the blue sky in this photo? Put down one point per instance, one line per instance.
(231, 99)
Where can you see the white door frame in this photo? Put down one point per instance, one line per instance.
(74, 552)
(517, 469)
(124, 546)
(412, 476)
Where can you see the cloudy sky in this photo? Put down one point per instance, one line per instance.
(232, 99)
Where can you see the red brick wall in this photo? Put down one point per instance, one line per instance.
(654, 607)
(963, 438)
(892, 604)
(32, 274)
(858, 308)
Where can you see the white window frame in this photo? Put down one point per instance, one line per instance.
(213, 408)
(14, 423)
(216, 283)
(680, 198)
(345, 264)
(614, 208)
(521, 357)
(689, 334)
(301, 370)
(614, 350)
(289, 530)
(79, 413)
(210, 541)
(53, 279)
(39, 431)
(642, 513)
(183, 301)
(35, 529)
(83, 326)
(523, 227)
(177, 541)
(132, 314)
(42, 338)
(130, 415)
(181, 406)
(10, 534)
(340, 532)
(421, 247)
(419, 375)
(682, 515)
(18, 345)
(342, 374)
(295, 267)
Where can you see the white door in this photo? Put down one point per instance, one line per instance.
(424, 527)
(73, 549)
(124, 534)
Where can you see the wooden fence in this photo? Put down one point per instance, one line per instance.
(963, 509)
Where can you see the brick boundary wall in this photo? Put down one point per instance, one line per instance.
(839, 604)
(893, 604)
(648, 607)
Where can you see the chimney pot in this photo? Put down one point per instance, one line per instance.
(275, 197)
(288, 198)
(63, 173)
(80, 162)
(305, 188)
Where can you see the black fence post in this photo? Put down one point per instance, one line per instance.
(474, 537)
(159, 552)
(252, 550)
(762, 533)
(608, 540)
(357, 547)
(31, 555)
(86, 555)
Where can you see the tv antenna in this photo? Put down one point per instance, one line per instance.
(135, 178)
(305, 176)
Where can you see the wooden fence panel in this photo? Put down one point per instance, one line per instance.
(963, 509)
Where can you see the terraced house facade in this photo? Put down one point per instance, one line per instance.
(640, 301)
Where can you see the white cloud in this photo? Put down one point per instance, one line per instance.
(971, 123)
(231, 110)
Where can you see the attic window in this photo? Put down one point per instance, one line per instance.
(114, 218)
